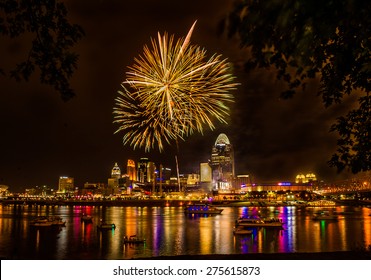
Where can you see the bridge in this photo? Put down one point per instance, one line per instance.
(359, 185)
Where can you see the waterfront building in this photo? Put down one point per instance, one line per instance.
(165, 175)
(131, 170)
(192, 179)
(125, 185)
(93, 189)
(113, 182)
(311, 177)
(39, 191)
(151, 172)
(66, 185)
(222, 163)
(4, 190)
(142, 170)
(205, 172)
(205, 177)
(112, 186)
(301, 178)
(116, 171)
(280, 187)
(242, 182)
(146, 171)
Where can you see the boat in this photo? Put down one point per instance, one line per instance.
(240, 230)
(106, 226)
(133, 239)
(44, 221)
(202, 209)
(324, 215)
(41, 224)
(57, 221)
(344, 212)
(40, 219)
(256, 221)
(86, 218)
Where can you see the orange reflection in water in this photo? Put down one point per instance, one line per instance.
(366, 214)
(205, 236)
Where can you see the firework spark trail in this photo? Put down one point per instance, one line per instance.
(171, 91)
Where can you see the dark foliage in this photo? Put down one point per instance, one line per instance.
(303, 40)
(52, 38)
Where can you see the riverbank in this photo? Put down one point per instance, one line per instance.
(160, 202)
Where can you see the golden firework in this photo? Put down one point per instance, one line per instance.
(171, 91)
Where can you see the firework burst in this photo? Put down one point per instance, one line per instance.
(171, 91)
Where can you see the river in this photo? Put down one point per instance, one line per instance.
(169, 232)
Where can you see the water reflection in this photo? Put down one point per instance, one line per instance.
(168, 231)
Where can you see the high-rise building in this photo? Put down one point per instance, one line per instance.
(146, 171)
(66, 184)
(151, 172)
(206, 177)
(142, 170)
(205, 173)
(131, 170)
(3, 190)
(116, 171)
(166, 175)
(113, 182)
(222, 163)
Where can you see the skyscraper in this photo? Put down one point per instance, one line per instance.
(146, 171)
(222, 163)
(142, 170)
(131, 170)
(116, 171)
(66, 184)
(113, 182)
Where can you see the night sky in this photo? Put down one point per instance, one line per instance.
(43, 137)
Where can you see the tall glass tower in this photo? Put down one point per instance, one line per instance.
(222, 163)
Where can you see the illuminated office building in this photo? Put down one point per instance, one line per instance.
(303, 179)
(131, 170)
(142, 170)
(242, 183)
(205, 173)
(3, 190)
(206, 177)
(113, 182)
(66, 184)
(146, 171)
(151, 172)
(166, 175)
(222, 163)
(116, 171)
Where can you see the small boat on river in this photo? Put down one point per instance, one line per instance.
(324, 215)
(45, 221)
(256, 221)
(57, 221)
(239, 230)
(344, 212)
(86, 218)
(202, 209)
(41, 224)
(133, 239)
(106, 226)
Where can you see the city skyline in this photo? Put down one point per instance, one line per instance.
(121, 171)
(44, 138)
